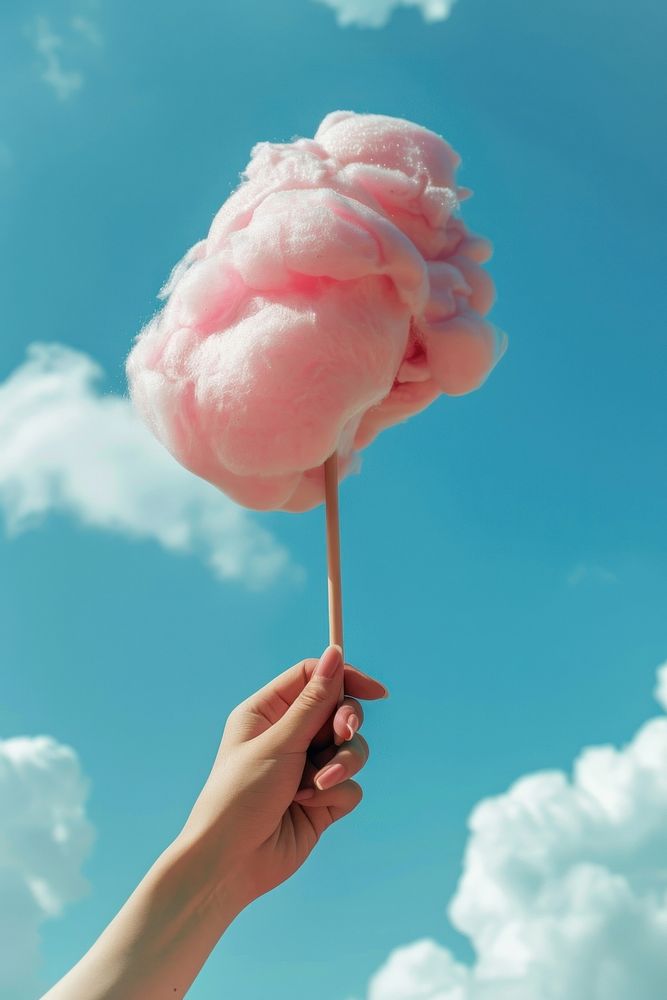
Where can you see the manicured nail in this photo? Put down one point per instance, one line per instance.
(352, 725)
(369, 677)
(329, 663)
(330, 776)
(304, 794)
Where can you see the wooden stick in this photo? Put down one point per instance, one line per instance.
(333, 552)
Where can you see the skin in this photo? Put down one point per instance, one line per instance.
(260, 813)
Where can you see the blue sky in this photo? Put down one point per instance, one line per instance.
(505, 553)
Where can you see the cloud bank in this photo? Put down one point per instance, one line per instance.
(45, 837)
(376, 13)
(564, 887)
(65, 447)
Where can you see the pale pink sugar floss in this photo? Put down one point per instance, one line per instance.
(337, 293)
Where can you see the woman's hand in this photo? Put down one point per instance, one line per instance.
(283, 774)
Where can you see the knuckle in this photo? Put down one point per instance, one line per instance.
(314, 695)
(356, 792)
(305, 667)
(236, 713)
(355, 760)
(357, 707)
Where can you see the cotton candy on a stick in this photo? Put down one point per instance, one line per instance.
(338, 292)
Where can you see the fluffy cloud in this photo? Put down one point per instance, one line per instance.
(65, 447)
(376, 13)
(48, 46)
(44, 840)
(564, 887)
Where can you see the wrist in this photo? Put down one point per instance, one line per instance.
(205, 879)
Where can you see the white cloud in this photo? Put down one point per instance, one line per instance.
(421, 971)
(87, 29)
(564, 887)
(660, 690)
(48, 45)
(65, 447)
(376, 13)
(587, 573)
(45, 837)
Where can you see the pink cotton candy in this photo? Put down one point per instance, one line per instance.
(336, 293)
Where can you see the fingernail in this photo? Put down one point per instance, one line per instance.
(329, 663)
(369, 677)
(352, 725)
(330, 776)
(303, 794)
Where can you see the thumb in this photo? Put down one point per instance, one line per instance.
(316, 703)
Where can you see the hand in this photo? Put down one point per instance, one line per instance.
(283, 774)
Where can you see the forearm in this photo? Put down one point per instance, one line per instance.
(160, 939)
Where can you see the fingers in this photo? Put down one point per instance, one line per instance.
(309, 712)
(361, 685)
(342, 727)
(347, 762)
(325, 807)
(332, 767)
(273, 700)
(347, 720)
(262, 710)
